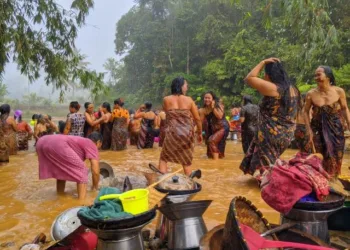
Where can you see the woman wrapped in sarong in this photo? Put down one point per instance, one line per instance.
(326, 129)
(217, 127)
(162, 118)
(249, 119)
(146, 135)
(92, 123)
(134, 129)
(106, 125)
(9, 127)
(277, 114)
(24, 131)
(120, 118)
(4, 150)
(180, 111)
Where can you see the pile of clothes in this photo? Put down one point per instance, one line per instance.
(289, 181)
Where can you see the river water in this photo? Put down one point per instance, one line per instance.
(29, 206)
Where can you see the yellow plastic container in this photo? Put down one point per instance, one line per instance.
(134, 201)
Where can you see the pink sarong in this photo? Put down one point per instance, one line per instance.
(62, 157)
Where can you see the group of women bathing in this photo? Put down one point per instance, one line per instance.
(181, 122)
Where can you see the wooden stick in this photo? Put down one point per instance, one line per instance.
(313, 147)
(165, 178)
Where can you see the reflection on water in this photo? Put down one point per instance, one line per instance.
(29, 206)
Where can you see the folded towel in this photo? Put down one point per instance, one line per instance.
(106, 209)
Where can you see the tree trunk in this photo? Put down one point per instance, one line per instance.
(188, 56)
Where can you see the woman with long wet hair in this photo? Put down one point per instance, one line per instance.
(180, 111)
(217, 127)
(277, 114)
(9, 127)
(146, 135)
(106, 125)
(325, 128)
(121, 120)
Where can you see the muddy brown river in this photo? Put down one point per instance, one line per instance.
(28, 206)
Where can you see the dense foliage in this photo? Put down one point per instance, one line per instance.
(214, 44)
(39, 36)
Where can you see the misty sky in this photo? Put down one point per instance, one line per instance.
(95, 39)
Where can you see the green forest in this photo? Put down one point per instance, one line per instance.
(215, 43)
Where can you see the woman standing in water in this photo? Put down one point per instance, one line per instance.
(146, 136)
(180, 111)
(9, 127)
(92, 124)
(134, 128)
(43, 126)
(277, 114)
(326, 129)
(24, 132)
(106, 125)
(249, 120)
(75, 121)
(217, 127)
(121, 120)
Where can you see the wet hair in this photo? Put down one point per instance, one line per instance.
(247, 99)
(107, 106)
(40, 118)
(86, 105)
(148, 106)
(131, 111)
(50, 117)
(5, 111)
(329, 73)
(279, 76)
(35, 117)
(215, 98)
(119, 101)
(61, 126)
(75, 105)
(95, 137)
(176, 85)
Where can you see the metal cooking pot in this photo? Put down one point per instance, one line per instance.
(65, 223)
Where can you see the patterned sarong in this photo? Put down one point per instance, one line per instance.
(22, 140)
(328, 137)
(178, 145)
(119, 134)
(302, 139)
(146, 136)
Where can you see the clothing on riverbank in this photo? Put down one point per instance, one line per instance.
(249, 127)
(276, 127)
(62, 157)
(328, 137)
(288, 182)
(178, 145)
(146, 135)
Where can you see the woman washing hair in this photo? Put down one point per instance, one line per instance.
(277, 115)
(92, 124)
(217, 128)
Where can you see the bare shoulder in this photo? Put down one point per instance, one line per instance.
(339, 90)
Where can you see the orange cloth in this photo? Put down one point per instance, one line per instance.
(118, 113)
